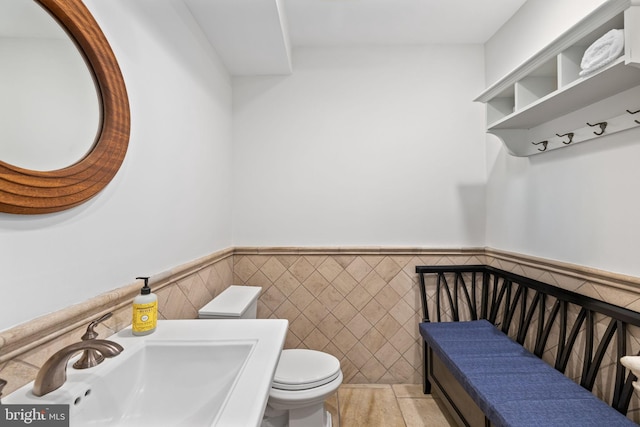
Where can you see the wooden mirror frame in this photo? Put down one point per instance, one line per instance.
(24, 191)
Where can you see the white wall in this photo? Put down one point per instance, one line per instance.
(362, 146)
(169, 203)
(359, 146)
(577, 204)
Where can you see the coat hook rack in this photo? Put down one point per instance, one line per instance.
(520, 140)
(544, 145)
(603, 126)
(634, 112)
(569, 134)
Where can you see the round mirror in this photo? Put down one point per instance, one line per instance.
(25, 190)
(49, 107)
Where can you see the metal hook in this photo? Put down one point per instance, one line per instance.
(634, 112)
(544, 144)
(570, 135)
(603, 126)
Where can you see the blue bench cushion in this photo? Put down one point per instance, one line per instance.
(509, 384)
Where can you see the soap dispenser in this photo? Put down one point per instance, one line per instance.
(145, 310)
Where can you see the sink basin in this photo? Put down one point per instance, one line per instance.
(188, 373)
(185, 383)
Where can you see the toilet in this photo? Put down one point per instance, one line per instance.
(304, 379)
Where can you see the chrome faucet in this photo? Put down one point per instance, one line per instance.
(53, 373)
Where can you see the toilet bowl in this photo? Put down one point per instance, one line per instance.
(303, 380)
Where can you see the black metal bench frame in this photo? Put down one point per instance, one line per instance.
(511, 302)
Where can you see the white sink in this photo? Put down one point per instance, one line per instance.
(187, 373)
(196, 376)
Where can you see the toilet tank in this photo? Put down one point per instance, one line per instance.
(235, 302)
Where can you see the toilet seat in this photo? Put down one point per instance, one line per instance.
(302, 369)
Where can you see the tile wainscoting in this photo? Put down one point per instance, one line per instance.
(181, 292)
(360, 304)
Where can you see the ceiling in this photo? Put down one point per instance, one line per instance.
(256, 36)
(393, 22)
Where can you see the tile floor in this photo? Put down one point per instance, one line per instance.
(386, 405)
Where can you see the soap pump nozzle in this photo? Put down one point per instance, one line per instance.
(146, 290)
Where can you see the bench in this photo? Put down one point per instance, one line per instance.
(484, 353)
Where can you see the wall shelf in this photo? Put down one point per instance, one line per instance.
(548, 87)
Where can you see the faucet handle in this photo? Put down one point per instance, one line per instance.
(91, 357)
(2, 384)
(91, 334)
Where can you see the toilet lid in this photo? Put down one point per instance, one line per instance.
(302, 369)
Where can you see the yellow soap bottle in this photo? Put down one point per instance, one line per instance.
(145, 310)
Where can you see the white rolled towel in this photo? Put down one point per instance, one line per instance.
(602, 52)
